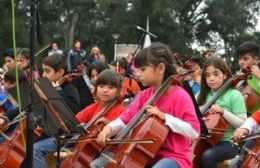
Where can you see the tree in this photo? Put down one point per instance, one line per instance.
(232, 20)
(176, 23)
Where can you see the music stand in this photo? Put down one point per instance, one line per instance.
(44, 114)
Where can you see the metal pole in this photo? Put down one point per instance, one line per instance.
(30, 118)
(115, 50)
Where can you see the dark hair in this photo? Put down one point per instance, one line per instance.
(122, 62)
(207, 52)
(217, 63)
(109, 77)
(88, 65)
(55, 62)
(77, 41)
(10, 76)
(25, 52)
(54, 43)
(248, 47)
(155, 54)
(198, 60)
(99, 67)
(8, 53)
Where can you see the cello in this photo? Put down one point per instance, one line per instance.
(252, 159)
(252, 98)
(87, 151)
(12, 151)
(137, 155)
(215, 123)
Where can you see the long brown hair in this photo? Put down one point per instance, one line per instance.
(217, 63)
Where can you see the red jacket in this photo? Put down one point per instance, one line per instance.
(90, 111)
(256, 116)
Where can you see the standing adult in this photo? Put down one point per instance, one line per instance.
(76, 56)
(55, 50)
(94, 55)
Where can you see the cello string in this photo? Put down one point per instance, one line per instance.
(5, 136)
(6, 126)
(112, 141)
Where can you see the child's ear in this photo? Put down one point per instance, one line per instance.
(255, 61)
(61, 72)
(225, 76)
(161, 67)
(121, 70)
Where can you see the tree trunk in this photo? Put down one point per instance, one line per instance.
(70, 37)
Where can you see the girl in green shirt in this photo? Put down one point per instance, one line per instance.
(230, 105)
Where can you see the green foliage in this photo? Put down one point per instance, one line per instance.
(176, 23)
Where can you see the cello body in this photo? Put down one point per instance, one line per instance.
(251, 160)
(85, 152)
(136, 155)
(12, 152)
(251, 98)
(213, 121)
(217, 122)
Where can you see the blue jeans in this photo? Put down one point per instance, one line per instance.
(41, 149)
(166, 163)
(222, 151)
(101, 162)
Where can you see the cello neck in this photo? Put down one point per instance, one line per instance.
(205, 108)
(100, 114)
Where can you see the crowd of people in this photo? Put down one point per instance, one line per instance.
(89, 84)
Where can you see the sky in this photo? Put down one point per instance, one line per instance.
(220, 42)
(258, 24)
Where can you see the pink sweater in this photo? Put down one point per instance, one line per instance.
(178, 104)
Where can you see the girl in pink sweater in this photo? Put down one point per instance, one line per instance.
(174, 108)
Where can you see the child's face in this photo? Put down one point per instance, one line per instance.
(94, 75)
(22, 62)
(246, 60)
(214, 77)
(197, 69)
(149, 76)
(49, 73)
(119, 69)
(102, 58)
(106, 93)
(9, 63)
